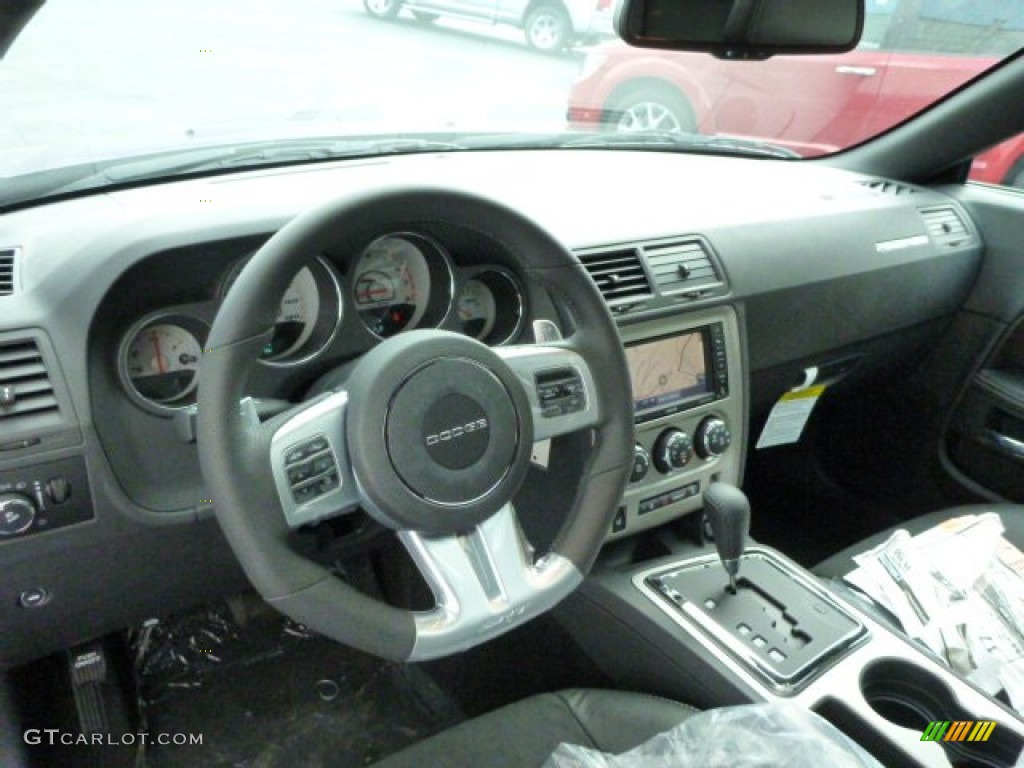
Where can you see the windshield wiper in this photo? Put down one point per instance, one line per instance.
(686, 142)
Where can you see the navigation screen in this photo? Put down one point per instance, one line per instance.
(667, 371)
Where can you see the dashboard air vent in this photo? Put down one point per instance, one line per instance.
(7, 257)
(27, 398)
(619, 274)
(682, 266)
(945, 225)
(887, 187)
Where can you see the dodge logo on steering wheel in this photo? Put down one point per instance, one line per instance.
(456, 432)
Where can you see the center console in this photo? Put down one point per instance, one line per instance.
(675, 622)
(688, 402)
(675, 625)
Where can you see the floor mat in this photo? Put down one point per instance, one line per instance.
(274, 694)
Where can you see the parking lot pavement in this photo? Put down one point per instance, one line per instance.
(294, 60)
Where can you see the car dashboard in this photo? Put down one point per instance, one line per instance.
(732, 281)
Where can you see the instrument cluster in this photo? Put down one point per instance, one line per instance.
(398, 282)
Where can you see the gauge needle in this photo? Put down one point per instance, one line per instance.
(156, 349)
(410, 286)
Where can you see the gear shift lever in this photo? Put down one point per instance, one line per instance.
(728, 511)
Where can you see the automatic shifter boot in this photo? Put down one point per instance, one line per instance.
(728, 511)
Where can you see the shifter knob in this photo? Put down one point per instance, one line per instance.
(728, 512)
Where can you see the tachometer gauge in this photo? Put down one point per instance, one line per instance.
(476, 309)
(391, 284)
(159, 360)
(297, 314)
(295, 317)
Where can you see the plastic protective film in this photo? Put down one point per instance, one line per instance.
(735, 737)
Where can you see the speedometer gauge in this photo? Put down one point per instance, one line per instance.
(391, 284)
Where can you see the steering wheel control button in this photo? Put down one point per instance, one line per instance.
(560, 391)
(304, 493)
(295, 455)
(451, 431)
(299, 473)
(17, 513)
(327, 483)
(316, 445)
(311, 469)
(672, 451)
(641, 464)
(713, 437)
(456, 431)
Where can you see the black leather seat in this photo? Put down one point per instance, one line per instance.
(524, 734)
(842, 563)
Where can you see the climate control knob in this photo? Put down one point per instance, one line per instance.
(713, 437)
(17, 513)
(672, 450)
(641, 464)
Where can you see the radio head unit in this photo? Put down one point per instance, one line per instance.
(678, 371)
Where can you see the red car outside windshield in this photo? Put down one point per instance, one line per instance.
(912, 54)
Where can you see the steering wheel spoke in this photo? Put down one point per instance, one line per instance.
(559, 384)
(309, 460)
(484, 582)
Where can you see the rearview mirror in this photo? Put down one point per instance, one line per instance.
(14, 15)
(743, 29)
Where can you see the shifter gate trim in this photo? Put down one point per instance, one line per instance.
(785, 643)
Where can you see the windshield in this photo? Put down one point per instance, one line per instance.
(104, 92)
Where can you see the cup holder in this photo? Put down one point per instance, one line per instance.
(909, 696)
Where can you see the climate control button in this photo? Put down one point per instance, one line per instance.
(641, 464)
(713, 437)
(672, 450)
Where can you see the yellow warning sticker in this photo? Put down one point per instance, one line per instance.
(789, 416)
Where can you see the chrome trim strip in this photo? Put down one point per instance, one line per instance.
(783, 685)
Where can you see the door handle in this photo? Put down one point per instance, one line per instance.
(1004, 444)
(844, 69)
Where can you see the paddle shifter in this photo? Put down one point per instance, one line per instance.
(728, 511)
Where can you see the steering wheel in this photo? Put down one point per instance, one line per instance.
(431, 435)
